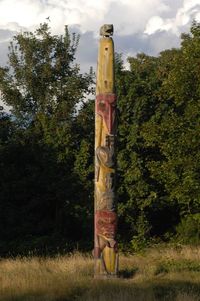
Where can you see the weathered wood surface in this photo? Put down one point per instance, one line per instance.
(105, 251)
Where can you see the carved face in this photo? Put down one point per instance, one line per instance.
(106, 223)
(105, 107)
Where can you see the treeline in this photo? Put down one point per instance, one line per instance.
(46, 146)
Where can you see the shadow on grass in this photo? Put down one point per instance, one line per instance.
(128, 273)
(170, 290)
(118, 290)
(156, 290)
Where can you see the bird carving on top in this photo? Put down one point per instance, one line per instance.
(106, 30)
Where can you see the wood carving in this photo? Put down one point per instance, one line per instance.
(105, 250)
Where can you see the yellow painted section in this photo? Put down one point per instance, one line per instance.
(105, 84)
(110, 258)
(99, 131)
(105, 72)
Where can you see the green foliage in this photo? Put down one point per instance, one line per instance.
(188, 230)
(41, 76)
(159, 140)
(176, 131)
(43, 197)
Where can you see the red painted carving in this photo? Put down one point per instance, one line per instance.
(105, 107)
(106, 223)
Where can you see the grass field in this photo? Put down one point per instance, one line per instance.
(165, 274)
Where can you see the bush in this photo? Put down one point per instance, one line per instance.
(188, 230)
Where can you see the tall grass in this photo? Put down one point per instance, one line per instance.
(165, 274)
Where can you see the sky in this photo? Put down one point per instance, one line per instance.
(148, 26)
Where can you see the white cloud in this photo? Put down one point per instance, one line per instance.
(128, 16)
(189, 11)
(28, 13)
(22, 12)
(136, 22)
(154, 24)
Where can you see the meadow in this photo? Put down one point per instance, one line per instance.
(164, 273)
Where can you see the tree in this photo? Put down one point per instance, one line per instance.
(176, 129)
(159, 140)
(137, 99)
(44, 87)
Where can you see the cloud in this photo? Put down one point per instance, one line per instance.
(128, 16)
(5, 37)
(156, 23)
(148, 25)
(87, 50)
(189, 11)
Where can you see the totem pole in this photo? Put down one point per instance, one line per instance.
(105, 221)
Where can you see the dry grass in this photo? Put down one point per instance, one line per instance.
(165, 274)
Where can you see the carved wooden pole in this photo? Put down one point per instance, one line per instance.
(105, 249)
